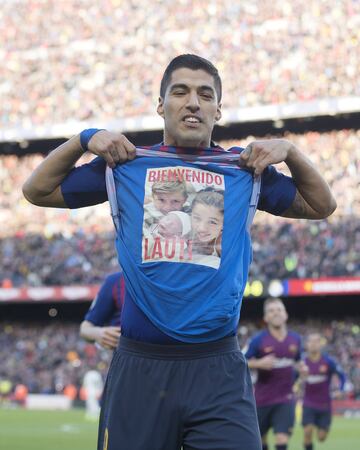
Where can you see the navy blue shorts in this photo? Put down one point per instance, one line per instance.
(319, 418)
(164, 397)
(280, 417)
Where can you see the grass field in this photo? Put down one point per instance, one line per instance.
(47, 430)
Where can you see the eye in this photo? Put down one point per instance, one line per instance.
(179, 93)
(207, 96)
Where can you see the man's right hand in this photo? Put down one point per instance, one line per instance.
(43, 187)
(113, 147)
(266, 362)
(108, 337)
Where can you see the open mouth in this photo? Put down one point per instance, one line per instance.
(192, 121)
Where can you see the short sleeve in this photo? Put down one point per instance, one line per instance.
(103, 307)
(277, 192)
(254, 345)
(85, 185)
(335, 368)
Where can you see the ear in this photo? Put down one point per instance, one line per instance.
(218, 113)
(160, 107)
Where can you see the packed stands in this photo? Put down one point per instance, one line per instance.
(58, 69)
(74, 247)
(47, 358)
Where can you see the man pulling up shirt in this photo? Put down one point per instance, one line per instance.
(178, 377)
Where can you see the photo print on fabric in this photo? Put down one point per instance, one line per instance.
(183, 216)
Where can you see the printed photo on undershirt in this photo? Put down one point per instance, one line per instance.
(183, 216)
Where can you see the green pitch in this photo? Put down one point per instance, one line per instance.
(47, 430)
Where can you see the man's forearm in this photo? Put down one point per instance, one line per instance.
(48, 176)
(311, 186)
(253, 363)
(89, 331)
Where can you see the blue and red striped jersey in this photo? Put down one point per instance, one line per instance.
(107, 306)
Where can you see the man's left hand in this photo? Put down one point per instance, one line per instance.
(303, 369)
(260, 154)
(337, 394)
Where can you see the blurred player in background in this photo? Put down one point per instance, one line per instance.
(275, 353)
(102, 321)
(178, 377)
(317, 396)
(93, 386)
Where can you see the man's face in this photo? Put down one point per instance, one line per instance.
(169, 201)
(189, 108)
(314, 343)
(275, 314)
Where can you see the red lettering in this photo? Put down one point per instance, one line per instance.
(218, 180)
(169, 254)
(146, 249)
(168, 248)
(152, 176)
(180, 174)
(209, 178)
(157, 250)
(196, 176)
(172, 175)
(182, 247)
(188, 175)
(164, 175)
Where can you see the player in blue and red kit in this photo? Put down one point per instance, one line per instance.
(317, 395)
(178, 377)
(102, 322)
(275, 353)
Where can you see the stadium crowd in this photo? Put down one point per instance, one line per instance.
(44, 246)
(281, 251)
(48, 357)
(59, 69)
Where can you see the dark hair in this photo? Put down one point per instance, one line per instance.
(192, 62)
(210, 197)
(270, 300)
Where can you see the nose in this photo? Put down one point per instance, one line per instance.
(201, 227)
(167, 207)
(193, 102)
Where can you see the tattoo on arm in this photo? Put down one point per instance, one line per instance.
(300, 209)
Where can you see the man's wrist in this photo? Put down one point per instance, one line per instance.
(292, 152)
(86, 135)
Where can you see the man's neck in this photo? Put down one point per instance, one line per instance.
(315, 356)
(171, 142)
(278, 333)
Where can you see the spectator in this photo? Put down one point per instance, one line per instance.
(47, 358)
(49, 56)
(77, 246)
